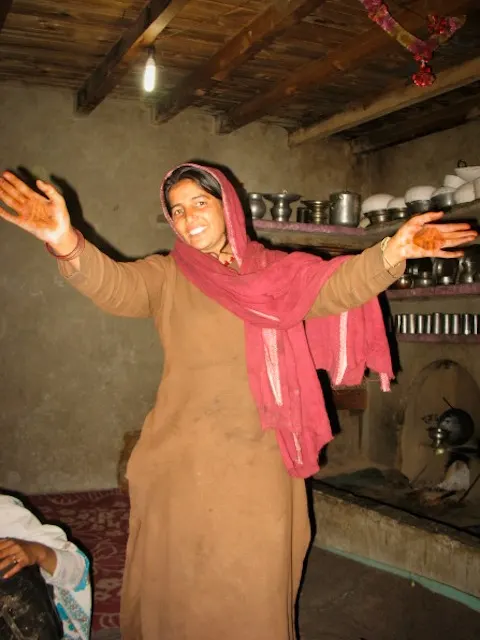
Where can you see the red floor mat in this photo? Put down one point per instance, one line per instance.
(99, 521)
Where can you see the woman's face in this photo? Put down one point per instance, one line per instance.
(197, 216)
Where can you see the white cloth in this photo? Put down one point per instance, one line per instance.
(71, 580)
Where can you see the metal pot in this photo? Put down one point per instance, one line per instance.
(444, 270)
(424, 280)
(257, 204)
(345, 208)
(452, 428)
(458, 425)
(398, 214)
(405, 281)
(419, 206)
(467, 269)
(302, 214)
(318, 211)
(281, 210)
(442, 201)
(378, 217)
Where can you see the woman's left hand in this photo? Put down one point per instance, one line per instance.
(419, 238)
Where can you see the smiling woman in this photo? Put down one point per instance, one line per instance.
(196, 211)
(219, 522)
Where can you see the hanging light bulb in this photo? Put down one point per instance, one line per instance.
(150, 72)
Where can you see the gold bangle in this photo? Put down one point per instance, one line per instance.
(383, 246)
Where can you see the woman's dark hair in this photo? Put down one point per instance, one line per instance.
(203, 178)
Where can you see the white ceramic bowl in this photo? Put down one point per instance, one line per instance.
(376, 202)
(465, 193)
(442, 190)
(397, 203)
(423, 192)
(468, 174)
(453, 181)
(476, 186)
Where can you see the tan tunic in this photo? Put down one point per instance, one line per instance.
(218, 529)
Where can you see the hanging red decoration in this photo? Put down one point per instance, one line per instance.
(441, 29)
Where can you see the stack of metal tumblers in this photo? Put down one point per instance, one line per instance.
(456, 324)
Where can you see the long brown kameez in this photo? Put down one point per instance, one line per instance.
(218, 529)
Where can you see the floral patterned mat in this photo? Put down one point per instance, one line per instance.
(98, 521)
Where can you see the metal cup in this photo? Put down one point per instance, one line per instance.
(455, 327)
(398, 323)
(475, 323)
(437, 323)
(428, 323)
(420, 324)
(411, 323)
(467, 328)
(447, 324)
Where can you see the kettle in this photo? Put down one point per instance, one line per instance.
(453, 427)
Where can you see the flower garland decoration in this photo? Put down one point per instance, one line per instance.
(440, 29)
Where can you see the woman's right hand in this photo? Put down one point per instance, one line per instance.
(46, 217)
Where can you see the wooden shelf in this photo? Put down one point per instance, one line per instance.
(457, 290)
(436, 339)
(347, 239)
(313, 235)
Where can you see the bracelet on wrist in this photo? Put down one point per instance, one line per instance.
(383, 246)
(79, 247)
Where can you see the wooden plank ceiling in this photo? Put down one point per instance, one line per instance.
(318, 68)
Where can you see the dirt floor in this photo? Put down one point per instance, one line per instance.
(345, 600)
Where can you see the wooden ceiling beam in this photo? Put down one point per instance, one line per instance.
(5, 7)
(448, 117)
(345, 58)
(153, 19)
(260, 33)
(389, 102)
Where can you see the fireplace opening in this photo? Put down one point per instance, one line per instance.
(437, 474)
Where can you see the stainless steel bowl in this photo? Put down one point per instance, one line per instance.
(419, 206)
(378, 217)
(405, 281)
(443, 201)
(398, 214)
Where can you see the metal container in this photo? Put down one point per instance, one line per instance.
(419, 324)
(411, 323)
(398, 214)
(443, 201)
(302, 214)
(258, 206)
(345, 208)
(467, 324)
(455, 328)
(424, 280)
(404, 323)
(475, 323)
(398, 323)
(379, 216)
(447, 324)
(428, 323)
(281, 210)
(318, 211)
(437, 323)
(419, 206)
(405, 281)
(444, 270)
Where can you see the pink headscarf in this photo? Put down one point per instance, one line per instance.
(272, 292)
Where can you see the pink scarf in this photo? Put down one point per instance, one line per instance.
(272, 293)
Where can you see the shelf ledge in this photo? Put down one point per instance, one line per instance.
(432, 292)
